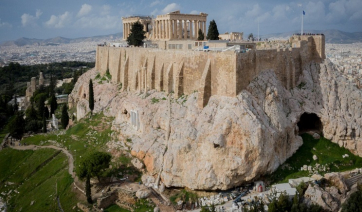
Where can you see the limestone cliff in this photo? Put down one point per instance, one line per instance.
(232, 139)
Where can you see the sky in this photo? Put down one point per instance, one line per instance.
(84, 18)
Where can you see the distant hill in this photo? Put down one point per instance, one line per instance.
(61, 40)
(332, 35)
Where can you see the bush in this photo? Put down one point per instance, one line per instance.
(354, 201)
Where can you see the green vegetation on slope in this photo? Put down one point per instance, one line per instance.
(329, 154)
(87, 135)
(30, 181)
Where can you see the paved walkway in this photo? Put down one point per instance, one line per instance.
(66, 152)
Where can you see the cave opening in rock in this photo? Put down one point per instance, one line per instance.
(310, 122)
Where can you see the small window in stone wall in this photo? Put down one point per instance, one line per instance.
(135, 120)
(189, 46)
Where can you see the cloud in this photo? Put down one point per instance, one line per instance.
(254, 12)
(155, 12)
(29, 20)
(99, 22)
(105, 10)
(195, 12)
(59, 21)
(171, 7)
(155, 3)
(4, 24)
(84, 10)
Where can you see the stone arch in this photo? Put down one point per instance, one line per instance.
(310, 122)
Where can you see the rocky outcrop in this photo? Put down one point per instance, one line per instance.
(316, 195)
(231, 140)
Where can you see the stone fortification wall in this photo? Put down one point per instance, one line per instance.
(209, 73)
(181, 72)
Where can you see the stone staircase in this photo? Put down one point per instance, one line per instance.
(353, 180)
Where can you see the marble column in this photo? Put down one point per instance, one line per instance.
(191, 31)
(175, 29)
(169, 29)
(123, 31)
(159, 30)
(185, 30)
(204, 28)
(179, 28)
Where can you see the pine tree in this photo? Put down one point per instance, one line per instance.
(65, 117)
(17, 126)
(91, 96)
(213, 32)
(44, 124)
(137, 35)
(53, 104)
(201, 35)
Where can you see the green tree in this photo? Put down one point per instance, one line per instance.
(44, 124)
(92, 165)
(40, 99)
(353, 203)
(251, 37)
(91, 96)
(65, 116)
(53, 104)
(16, 126)
(30, 113)
(213, 32)
(137, 35)
(201, 35)
(283, 203)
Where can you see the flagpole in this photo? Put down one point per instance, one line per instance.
(302, 22)
(258, 29)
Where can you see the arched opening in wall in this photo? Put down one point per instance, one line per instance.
(310, 122)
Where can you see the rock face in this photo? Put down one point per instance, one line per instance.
(230, 140)
(316, 195)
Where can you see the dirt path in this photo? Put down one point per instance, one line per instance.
(66, 152)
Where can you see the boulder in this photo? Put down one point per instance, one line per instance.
(137, 163)
(143, 193)
(337, 180)
(316, 195)
(316, 136)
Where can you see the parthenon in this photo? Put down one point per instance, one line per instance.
(171, 26)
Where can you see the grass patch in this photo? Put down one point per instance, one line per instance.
(143, 205)
(154, 100)
(38, 191)
(185, 196)
(87, 135)
(329, 154)
(301, 85)
(115, 208)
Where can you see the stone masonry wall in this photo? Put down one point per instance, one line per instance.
(209, 73)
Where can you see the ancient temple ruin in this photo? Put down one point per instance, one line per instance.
(170, 26)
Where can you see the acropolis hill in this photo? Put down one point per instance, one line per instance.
(213, 120)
